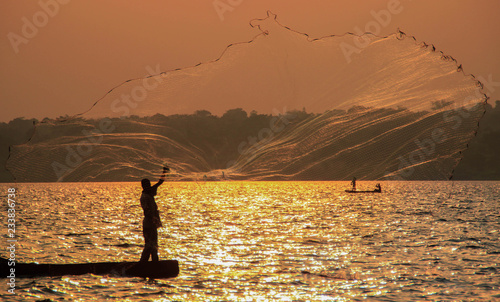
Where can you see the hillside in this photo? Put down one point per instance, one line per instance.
(369, 143)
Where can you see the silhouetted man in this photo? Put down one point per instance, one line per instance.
(152, 220)
(353, 183)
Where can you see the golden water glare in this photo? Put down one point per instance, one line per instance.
(255, 240)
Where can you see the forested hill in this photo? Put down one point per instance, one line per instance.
(482, 159)
(211, 142)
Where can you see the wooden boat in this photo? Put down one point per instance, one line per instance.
(357, 191)
(157, 270)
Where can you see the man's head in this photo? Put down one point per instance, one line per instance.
(146, 184)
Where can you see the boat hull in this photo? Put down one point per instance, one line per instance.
(158, 270)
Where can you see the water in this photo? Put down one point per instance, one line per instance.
(259, 241)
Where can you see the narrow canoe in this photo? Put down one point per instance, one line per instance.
(372, 191)
(158, 270)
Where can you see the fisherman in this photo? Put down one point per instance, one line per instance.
(378, 188)
(353, 183)
(152, 220)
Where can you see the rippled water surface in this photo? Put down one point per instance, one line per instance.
(258, 241)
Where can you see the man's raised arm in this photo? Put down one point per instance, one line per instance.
(162, 177)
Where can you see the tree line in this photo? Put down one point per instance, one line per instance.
(220, 136)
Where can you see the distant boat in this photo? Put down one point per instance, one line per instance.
(378, 188)
(357, 191)
(158, 270)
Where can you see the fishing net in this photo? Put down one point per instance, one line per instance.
(279, 107)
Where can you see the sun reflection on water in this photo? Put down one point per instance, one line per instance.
(259, 240)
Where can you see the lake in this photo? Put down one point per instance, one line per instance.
(260, 241)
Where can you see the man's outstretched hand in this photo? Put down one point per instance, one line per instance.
(165, 170)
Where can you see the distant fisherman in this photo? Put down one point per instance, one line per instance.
(353, 183)
(152, 220)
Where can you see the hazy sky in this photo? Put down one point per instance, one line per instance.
(59, 56)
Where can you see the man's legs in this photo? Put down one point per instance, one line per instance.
(154, 245)
(150, 244)
(145, 254)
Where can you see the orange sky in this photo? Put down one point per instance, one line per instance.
(88, 47)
